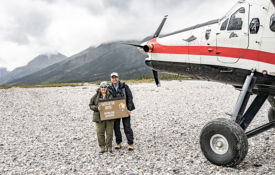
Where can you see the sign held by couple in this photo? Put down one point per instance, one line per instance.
(113, 108)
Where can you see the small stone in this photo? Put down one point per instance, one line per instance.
(176, 171)
(257, 164)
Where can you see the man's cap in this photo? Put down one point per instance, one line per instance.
(114, 74)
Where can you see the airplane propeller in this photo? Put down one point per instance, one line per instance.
(155, 73)
(147, 48)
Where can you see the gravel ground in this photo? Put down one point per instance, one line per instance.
(50, 131)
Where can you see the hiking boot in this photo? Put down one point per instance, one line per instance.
(118, 146)
(110, 150)
(131, 147)
(102, 149)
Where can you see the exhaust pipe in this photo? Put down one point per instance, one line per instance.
(148, 48)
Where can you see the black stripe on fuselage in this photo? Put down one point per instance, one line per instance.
(191, 28)
(222, 74)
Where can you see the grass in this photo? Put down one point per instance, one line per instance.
(133, 81)
(40, 85)
(162, 76)
(143, 78)
(149, 78)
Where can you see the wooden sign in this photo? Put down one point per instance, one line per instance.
(113, 108)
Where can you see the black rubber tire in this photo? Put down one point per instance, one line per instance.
(236, 138)
(271, 114)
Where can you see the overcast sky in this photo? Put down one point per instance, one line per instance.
(32, 27)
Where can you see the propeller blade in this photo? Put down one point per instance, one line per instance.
(135, 45)
(156, 77)
(147, 48)
(160, 27)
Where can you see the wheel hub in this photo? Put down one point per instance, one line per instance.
(219, 144)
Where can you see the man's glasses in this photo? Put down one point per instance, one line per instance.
(103, 87)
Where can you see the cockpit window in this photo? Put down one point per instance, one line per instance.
(224, 25)
(231, 10)
(236, 20)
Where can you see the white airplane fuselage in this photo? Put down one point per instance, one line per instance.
(238, 49)
(223, 50)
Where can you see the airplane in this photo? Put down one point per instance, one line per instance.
(237, 49)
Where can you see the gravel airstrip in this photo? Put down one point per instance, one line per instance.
(50, 131)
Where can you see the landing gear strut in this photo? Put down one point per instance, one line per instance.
(223, 141)
(271, 114)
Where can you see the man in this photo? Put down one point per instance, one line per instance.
(122, 90)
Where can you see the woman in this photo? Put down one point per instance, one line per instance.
(102, 126)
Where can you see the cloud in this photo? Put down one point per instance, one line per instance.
(3, 63)
(26, 19)
(32, 27)
(118, 4)
(49, 1)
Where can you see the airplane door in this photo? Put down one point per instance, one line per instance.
(194, 52)
(259, 25)
(233, 35)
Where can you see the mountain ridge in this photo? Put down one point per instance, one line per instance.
(92, 64)
(36, 64)
(3, 71)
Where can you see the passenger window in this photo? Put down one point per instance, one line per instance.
(224, 25)
(272, 23)
(254, 26)
(236, 20)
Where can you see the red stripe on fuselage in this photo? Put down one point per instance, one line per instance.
(255, 55)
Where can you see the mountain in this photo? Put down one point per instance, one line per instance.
(92, 64)
(33, 66)
(127, 61)
(3, 71)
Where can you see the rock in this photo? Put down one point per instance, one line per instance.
(176, 171)
(257, 164)
(50, 131)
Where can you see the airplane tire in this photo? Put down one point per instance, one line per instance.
(271, 114)
(223, 142)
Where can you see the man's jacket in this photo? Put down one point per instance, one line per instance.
(120, 93)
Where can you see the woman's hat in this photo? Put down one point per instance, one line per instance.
(103, 83)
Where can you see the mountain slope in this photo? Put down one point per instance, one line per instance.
(33, 66)
(125, 60)
(3, 71)
(92, 64)
(53, 74)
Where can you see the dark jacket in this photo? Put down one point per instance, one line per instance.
(119, 93)
(94, 104)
